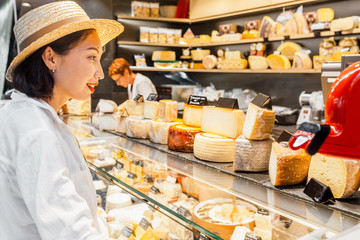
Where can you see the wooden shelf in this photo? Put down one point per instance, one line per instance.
(159, 19)
(136, 43)
(292, 71)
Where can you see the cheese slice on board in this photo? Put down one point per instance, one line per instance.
(137, 127)
(192, 115)
(278, 62)
(151, 109)
(213, 147)
(181, 137)
(258, 62)
(134, 108)
(168, 110)
(159, 131)
(341, 174)
(286, 166)
(223, 121)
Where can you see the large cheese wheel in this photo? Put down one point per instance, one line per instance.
(278, 62)
(341, 174)
(137, 127)
(151, 109)
(192, 115)
(258, 63)
(213, 147)
(181, 137)
(223, 121)
(325, 14)
(209, 61)
(259, 123)
(168, 110)
(250, 155)
(159, 131)
(286, 166)
(134, 108)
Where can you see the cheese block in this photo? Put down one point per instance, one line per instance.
(325, 14)
(120, 123)
(239, 233)
(115, 229)
(265, 27)
(159, 131)
(251, 155)
(258, 63)
(343, 24)
(264, 234)
(134, 108)
(181, 137)
(168, 110)
(302, 60)
(259, 123)
(278, 62)
(223, 121)
(213, 147)
(233, 63)
(341, 174)
(318, 61)
(163, 56)
(286, 166)
(172, 190)
(117, 200)
(192, 115)
(151, 109)
(107, 122)
(199, 54)
(107, 163)
(106, 106)
(209, 61)
(137, 127)
(288, 49)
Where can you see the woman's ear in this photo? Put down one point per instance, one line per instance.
(48, 57)
(126, 73)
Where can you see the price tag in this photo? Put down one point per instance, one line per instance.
(126, 232)
(131, 175)
(139, 98)
(284, 137)
(119, 165)
(152, 97)
(228, 103)
(141, 163)
(262, 101)
(183, 212)
(171, 179)
(154, 190)
(197, 100)
(149, 179)
(144, 224)
(251, 236)
(202, 236)
(263, 211)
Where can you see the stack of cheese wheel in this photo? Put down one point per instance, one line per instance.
(252, 150)
(105, 119)
(137, 127)
(220, 127)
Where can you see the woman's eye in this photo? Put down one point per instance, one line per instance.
(92, 57)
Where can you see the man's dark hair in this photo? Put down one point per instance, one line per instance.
(33, 77)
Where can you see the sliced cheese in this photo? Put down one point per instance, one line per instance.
(265, 27)
(168, 110)
(106, 106)
(134, 108)
(172, 190)
(342, 175)
(192, 115)
(258, 62)
(278, 62)
(137, 127)
(288, 49)
(159, 131)
(151, 109)
(251, 155)
(286, 166)
(223, 121)
(259, 123)
(213, 147)
(325, 14)
(181, 137)
(302, 60)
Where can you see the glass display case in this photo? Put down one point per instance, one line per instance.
(186, 199)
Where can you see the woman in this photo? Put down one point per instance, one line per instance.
(46, 187)
(120, 72)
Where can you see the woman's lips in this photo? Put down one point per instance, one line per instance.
(91, 86)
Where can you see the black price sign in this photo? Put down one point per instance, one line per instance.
(228, 103)
(197, 100)
(152, 97)
(263, 211)
(284, 137)
(154, 190)
(251, 236)
(144, 224)
(126, 232)
(149, 179)
(139, 98)
(183, 212)
(263, 101)
(141, 163)
(119, 165)
(132, 175)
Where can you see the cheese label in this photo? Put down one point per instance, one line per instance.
(251, 236)
(183, 212)
(152, 97)
(287, 222)
(119, 165)
(202, 236)
(141, 163)
(263, 211)
(284, 136)
(171, 179)
(319, 192)
(149, 179)
(263, 101)
(144, 224)
(154, 190)
(126, 232)
(131, 175)
(139, 98)
(227, 103)
(197, 100)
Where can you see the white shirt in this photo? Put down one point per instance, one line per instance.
(46, 187)
(142, 85)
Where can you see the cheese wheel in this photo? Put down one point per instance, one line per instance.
(252, 156)
(288, 49)
(258, 62)
(159, 131)
(137, 127)
(106, 106)
(286, 166)
(278, 62)
(168, 110)
(107, 122)
(134, 108)
(117, 200)
(192, 115)
(181, 137)
(213, 147)
(151, 109)
(259, 123)
(209, 61)
(120, 123)
(341, 174)
(223, 121)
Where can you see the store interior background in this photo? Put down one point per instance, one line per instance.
(283, 88)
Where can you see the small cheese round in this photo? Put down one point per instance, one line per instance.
(117, 200)
(137, 127)
(181, 137)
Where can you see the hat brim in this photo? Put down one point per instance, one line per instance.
(105, 28)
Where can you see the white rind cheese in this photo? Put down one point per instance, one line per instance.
(214, 147)
(120, 123)
(192, 115)
(168, 110)
(151, 110)
(107, 106)
(251, 155)
(134, 108)
(117, 200)
(107, 122)
(137, 127)
(223, 121)
(159, 131)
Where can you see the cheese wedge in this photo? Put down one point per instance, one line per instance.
(258, 62)
(302, 60)
(151, 109)
(192, 115)
(134, 108)
(288, 49)
(278, 62)
(168, 110)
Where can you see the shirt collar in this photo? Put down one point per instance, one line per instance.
(19, 96)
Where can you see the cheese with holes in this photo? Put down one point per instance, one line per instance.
(259, 123)
(286, 166)
(181, 137)
(106, 106)
(341, 174)
(168, 110)
(258, 62)
(213, 147)
(151, 109)
(192, 115)
(134, 108)
(278, 62)
(288, 49)
(137, 127)
(159, 131)
(223, 121)
(252, 155)
(325, 14)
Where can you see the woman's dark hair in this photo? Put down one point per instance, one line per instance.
(33, 77)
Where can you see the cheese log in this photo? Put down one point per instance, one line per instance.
(342, 175)
(223, 121)
(134, 108)
(278, 62)
(286, 166)
(159, 131)
(120, 123)
(192, 115)
(213, 147)
(259, 123)
(151, 109)
(181, 137)
(209, 61)
(239, 233)
(251, 155)
(342, 24)
(265, 27)
(288, 49)
(302, 60)
(325, 14)
(258, 63)
(168, 110)
(107, 122)
(106, 106)
(163, 56)
(137, 127)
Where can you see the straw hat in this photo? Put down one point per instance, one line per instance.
(52, 21)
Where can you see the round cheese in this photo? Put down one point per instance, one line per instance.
(214, 147)
(209, 61)
(117, 200)
(137, 127)
(181, 137)
(278, 62)
(159, 131)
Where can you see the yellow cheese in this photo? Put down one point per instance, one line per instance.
(134, 108)
(278, 62)
(259, 123)
(151, 109)
(342, 24)
(233, 63)
(168, 110)
(163, 56)
(288, 49)
(223, 121)
(198, 55)
(159, 131)
(257, 63)
(302, 60)
(264, 234)
(325, 14)
(137, 127)
(192, 115)
(342, 175)
(120, 123)
(265, 27)
(320, 60)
